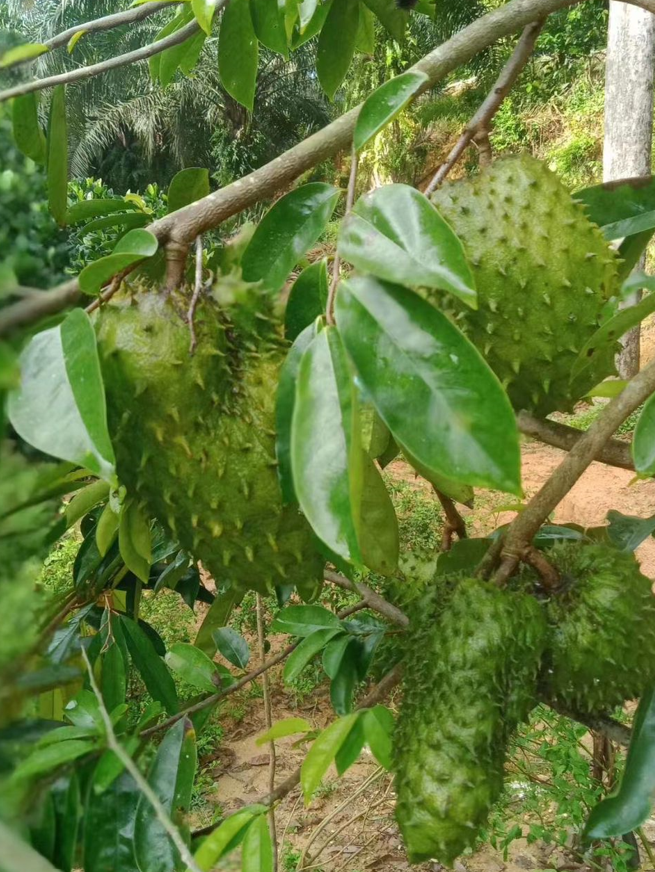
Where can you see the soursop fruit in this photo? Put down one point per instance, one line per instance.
(602, 647)
(471, 677)
(194, 434)
(543, 274)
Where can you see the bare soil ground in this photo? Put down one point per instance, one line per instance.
(350, 826)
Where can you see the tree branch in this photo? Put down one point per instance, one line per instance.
(524, 527)
(613, 453)
(454, 521)
(372, 599)
(482, 118)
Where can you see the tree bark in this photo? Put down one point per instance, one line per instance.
(629, 120)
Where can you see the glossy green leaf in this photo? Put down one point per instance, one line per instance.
(390, 16)
(461, 493)
(128, 220)
(171, 777)
(204, 13)
(83, 711)
(109, 816)
(173, 572)
(28, 135)
(154, 673)
(395, 233)
(134, 246)
(326, 454)
(66, 638)
(193, 666)
(384, 104)
(375, 433)
(610, 388)
(282, 729)
(217, 616)
(286, 232)
(306, 11)
(464, 556)
(322, 754)
(183, 16)
(57, 156)
(378, 533)
(257, 848)
(610, 331)
(630, 252)
(113, 678)
(232, 646)
(85, 500)
(187, 186)
(268, 22)
(307, 650)
(135, 540)
(44, 760)
(183, 57)
(86, 209)
(643, 443)
(66, 797)
(284, 404)
(305, 620)
(349, 752)
(429, 384)
(622, 208)
(336, 44)
(631, 804)
(345, 680)
(19, 53)
(222, 839)
(73, 41)
(42, 828)
(378, 730)
(333, 653)
(238, 53)
(106, 529)
(628, 532)
(60, 405)
(313, 24)
(307, 299)
(366, 31)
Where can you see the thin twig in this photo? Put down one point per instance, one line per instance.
(129, 764)
(196, 295)
(550, 577)
(454, 521)
(268, 713)
(370, 597)
(105, 296)
(480, 122)
(336, 263)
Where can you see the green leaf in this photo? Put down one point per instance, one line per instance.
(173, 572)
(610, 388)
(643, 443)
(66, 796)
(83, 711)
(171, 777)
(268, 21)
(631, 804)
(283, 728)
(28, 135)
(19, 53)
(154, 673)
(42, 827)
(194, 666)
(182, 17)
(187, 186)
(313, 24)
(44, 760)
(366, 32)
(113, 679)
(390, 16)
(257, 849)
(333, 654)
(461, 493)
(109, 816)
(344, 682)
(85, 500)
(183, 57)
(628, 532)
(106, 529)
(60, 406)
(349, 752)
(134, 246)
(306, 12)
(610, 331)
(57, 156)
(204, 13)
(217, 616)
(384, 104)
(222, 839)
(326, 455)
(238, 53)
(232, 646)
(305, 620)
(336, 44)
(429, 385)
(135, 540)
(322, 753)
(307, 299)
(464, 556)
(284, 405)
(129, 220)
(395, 233)
(86, 209)
(378, 730)
(622, 208)
(73, 41)
(307, 650)
(287, 231)
(378, 533)
(630, 252)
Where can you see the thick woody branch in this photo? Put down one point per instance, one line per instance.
(613, 453)
(479, 124)
(584, 452)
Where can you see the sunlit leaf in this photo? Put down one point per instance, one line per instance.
(238, 53)
(384, 104)
(322, 754)
(134, 246)
(28, 135)
(187, 186)
(336, 44)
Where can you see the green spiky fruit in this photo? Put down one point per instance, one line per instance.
(194, 435)
(471, 675)
(602, 650)
(543, 273)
